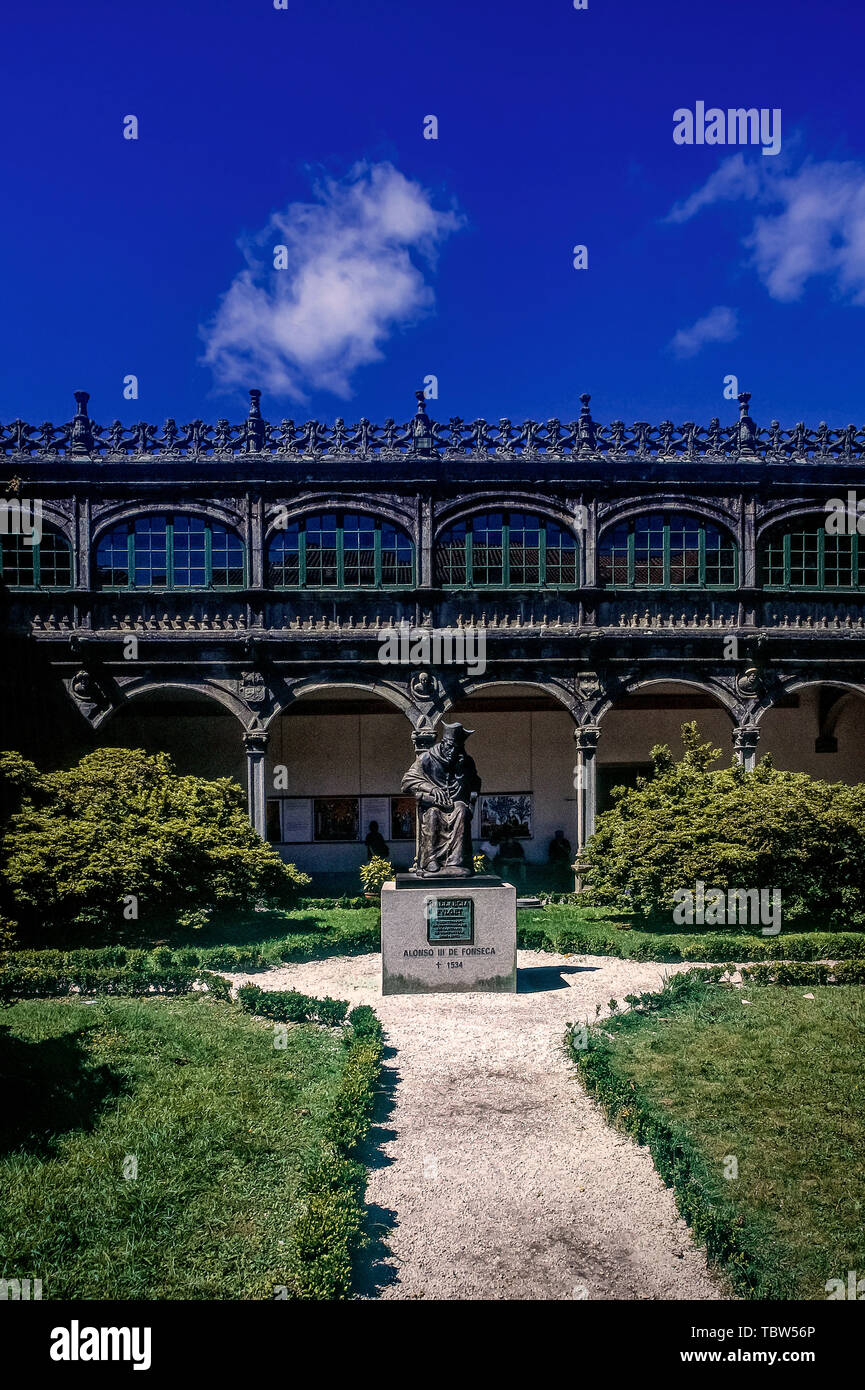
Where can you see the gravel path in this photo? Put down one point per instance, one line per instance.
(492, 1173)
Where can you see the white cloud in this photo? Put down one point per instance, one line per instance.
(813, 223)
(349, 282)
(720, 325)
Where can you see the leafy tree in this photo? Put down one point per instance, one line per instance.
(122, 834)
(731, 829)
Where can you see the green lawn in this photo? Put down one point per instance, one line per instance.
(224, 1126)
(778, 1083)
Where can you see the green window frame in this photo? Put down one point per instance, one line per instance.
(45, 565)
(810, 559)
(341, 550)
(507, 550)
(667, 550)
(170, 551)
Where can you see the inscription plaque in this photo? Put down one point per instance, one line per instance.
(450, 919)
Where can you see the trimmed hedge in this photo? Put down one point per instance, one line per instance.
(710, 946)
(26, 981)
(330, 1232)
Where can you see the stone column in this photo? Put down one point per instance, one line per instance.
(255, 742)
(745, 740)
(585, 781)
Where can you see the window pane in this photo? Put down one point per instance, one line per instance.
(151, 552)
(226, 551)
(525, 549)
(396, 556)
(283, 558)
(358, 550)
(112, 557)
(451, 556)
(613, 555)
(321, 550)
(487, 532)
(561, 556)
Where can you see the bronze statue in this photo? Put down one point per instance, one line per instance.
(445, 782)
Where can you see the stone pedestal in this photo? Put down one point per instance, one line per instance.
(448, 939)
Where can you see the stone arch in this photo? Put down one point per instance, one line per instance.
(312, 504)
(699, 508)
(479, 504)
(557, 690)
(144, 685)
(392, 692)
(230, 517)
(787, 512)
(707, 686)
(805, 737)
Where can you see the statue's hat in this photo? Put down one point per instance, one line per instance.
(457, 732)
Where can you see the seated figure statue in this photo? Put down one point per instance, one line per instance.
(445, 782)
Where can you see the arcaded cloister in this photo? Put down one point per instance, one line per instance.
(222, 593)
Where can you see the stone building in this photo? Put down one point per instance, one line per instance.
(224, 593)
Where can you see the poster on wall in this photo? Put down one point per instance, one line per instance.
(374, 808)
(506, 813)
(336, 817)
(403, 815)
(297, 820)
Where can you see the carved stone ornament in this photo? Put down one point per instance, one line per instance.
(253, 688)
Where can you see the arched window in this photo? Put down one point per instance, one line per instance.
(170, 552)
(800, 555)
(506, 549)
(47, 564)
(667, 550)
(340, 550)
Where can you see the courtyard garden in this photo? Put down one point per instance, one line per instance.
(170, 1133)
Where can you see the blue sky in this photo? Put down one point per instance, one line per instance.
(410, 257)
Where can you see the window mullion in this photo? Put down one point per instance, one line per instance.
(340, 553)
(506, 558)
(542, 555)
(169, 553)
(785, 549)
(665, 570)
(376, 550)
(632, 541)
(470, 570)
(854, 560)
(701, 556)
(301, 555)
(821, 559)
(130, 556)
(208, 557)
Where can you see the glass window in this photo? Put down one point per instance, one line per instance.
(667, 550)
(45, 565)
(349, 550)
(171, 551)
(805, 557)
(506, 549)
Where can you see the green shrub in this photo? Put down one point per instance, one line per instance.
(730, 828)
(79, 846)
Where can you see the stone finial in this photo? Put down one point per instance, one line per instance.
(81, 437)
(254, 423)
(586, 424)
(747, 428)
